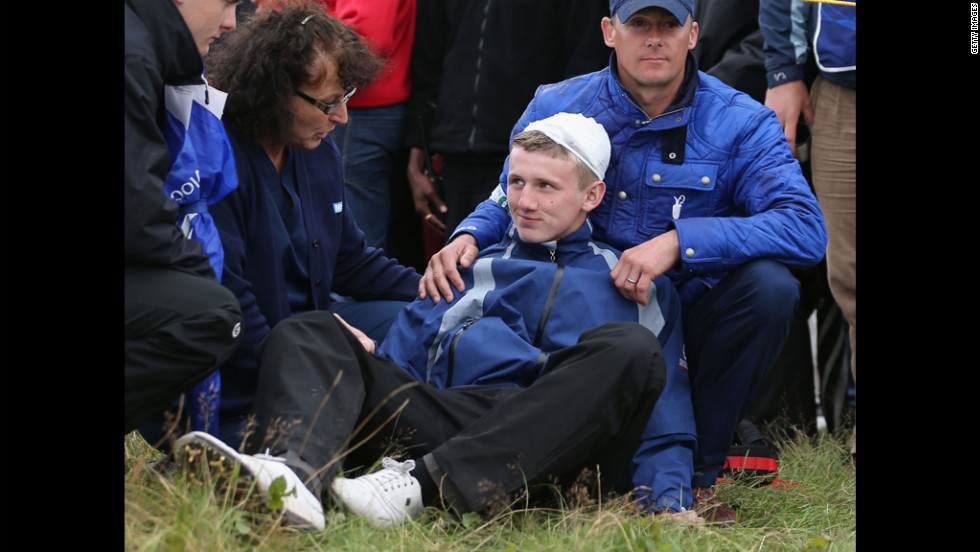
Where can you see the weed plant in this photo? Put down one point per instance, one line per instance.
(814, 511)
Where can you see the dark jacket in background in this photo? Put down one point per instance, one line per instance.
(477, 63)
(156, 55)
(730, 44)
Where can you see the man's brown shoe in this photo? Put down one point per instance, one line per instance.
(707, 505)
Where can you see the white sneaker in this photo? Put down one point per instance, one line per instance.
(385, 497)
(300, 507)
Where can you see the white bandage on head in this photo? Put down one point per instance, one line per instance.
(581, 135)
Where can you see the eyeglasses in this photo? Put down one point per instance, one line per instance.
(326, 108)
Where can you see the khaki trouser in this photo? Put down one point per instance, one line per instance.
(833, 163)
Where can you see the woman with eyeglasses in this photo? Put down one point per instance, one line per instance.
(291, 244)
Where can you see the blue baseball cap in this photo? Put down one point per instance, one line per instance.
(626, 8)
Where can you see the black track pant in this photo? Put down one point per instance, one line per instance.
(320, 394)
(178, 329)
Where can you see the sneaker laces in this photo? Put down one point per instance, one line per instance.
(394, 473)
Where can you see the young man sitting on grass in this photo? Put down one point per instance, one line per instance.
(538, 289)
(557, 393)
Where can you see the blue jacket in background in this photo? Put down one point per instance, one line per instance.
(793, 30)
(339, 258)
(715, 165)
(493, 335)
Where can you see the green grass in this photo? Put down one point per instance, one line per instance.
(166, 511)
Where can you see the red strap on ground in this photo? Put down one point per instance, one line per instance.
(751, 463)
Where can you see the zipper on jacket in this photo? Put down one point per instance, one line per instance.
(552, 253)
(639, 122)
(649, 118)
(452, 350)
(207, 98)
(545, 313)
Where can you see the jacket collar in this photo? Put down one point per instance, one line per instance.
(571, 244)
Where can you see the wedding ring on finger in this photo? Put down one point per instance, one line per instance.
(427, 217)
(630, 280)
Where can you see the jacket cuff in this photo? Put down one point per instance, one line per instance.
(783, 75)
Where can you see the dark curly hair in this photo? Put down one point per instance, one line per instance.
(262, 63)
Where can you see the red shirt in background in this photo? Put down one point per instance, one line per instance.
(389, 27)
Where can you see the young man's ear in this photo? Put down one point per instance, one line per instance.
(593, 195)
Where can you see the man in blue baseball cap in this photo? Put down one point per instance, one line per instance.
(702, 186)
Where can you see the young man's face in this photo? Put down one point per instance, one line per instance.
(545, 198)
(207, 20)
(651, 47)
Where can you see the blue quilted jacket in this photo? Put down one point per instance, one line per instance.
(494, 335)
(715, 166)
